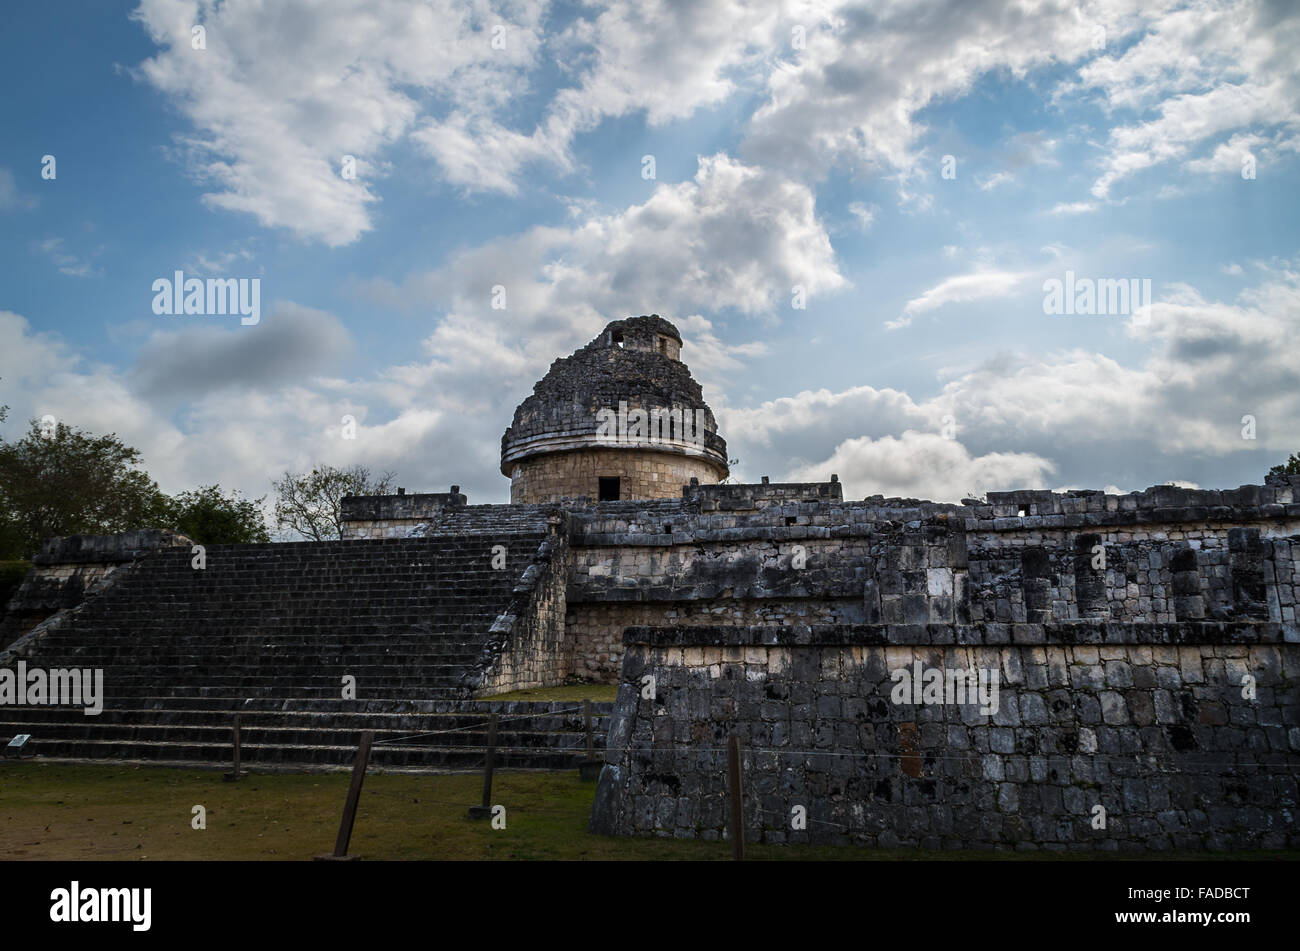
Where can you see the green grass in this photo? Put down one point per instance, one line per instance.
(595, 692)
(114, 812)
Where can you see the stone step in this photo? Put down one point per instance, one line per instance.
(269, 631)
(547, 735)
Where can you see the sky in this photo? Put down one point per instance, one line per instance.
(853, 212)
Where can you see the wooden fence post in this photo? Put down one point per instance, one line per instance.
(354, 794)
(737, 813)
(233, 775)
(485, 810)
(589, 769)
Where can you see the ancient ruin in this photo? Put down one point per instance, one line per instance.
(1143, 647)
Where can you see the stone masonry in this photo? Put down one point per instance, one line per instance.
(1105, 737)
(559, 444)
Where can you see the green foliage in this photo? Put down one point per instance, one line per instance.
(11, 537)
(212, 518)
(11, 576)
(311, 504)
(1290, 467)
(66, 481)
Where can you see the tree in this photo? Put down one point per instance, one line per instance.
(65, 481)
(11, 542)
(311, 504)
(211, 518)
(1290, 467)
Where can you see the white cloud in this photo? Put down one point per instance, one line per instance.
(1073, 208)
(278, 99)
(1077, 417)
(70, 264)
(734, 237)
(12, 198)
(1205, 70)
(994, 180)
(959, 288)
(924, 465)
(1176, 414)
(852, 98)
(864, 214)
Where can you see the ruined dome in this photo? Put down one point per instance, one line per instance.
(619, 419)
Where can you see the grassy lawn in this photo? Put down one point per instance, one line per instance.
(60, 811)
(595, 692)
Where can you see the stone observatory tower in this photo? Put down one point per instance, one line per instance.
(619, 419)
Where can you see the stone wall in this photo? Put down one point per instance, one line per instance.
(776, 554)
(595, 629)
(644, 474)
(1153, 723)
(526, 646)
(396, 516)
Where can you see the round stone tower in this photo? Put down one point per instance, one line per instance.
(619, 419)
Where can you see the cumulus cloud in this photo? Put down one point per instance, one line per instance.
(278, 100)
(732, 238)
(661, 59)
(926, 466)
(852, 97)
(1205, 74)
(1176, 415)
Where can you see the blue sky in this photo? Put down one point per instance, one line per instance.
(1104, 138)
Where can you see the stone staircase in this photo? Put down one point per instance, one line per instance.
(271, 631)
(316, 734)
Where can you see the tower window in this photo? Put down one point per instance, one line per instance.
(616, 338)
(609, 488)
